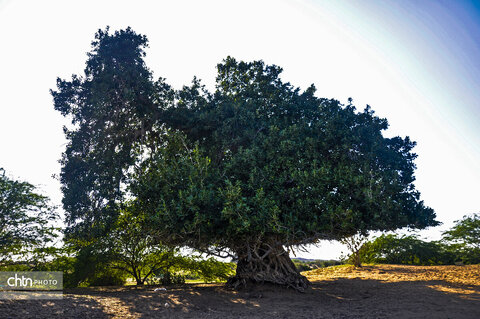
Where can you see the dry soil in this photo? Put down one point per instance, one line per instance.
(380, 291)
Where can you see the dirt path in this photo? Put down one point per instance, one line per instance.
(383, 291)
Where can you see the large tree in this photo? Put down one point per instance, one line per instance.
(252, 170)
(111, 108)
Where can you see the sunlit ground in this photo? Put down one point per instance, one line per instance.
(373, 291)
(461, 280)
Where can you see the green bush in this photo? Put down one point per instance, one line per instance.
(305, 265)
(208, 270)
(463, 239)
(166, 278)
(301, 265)
(110, 278)
(407, 250)
(213, 270)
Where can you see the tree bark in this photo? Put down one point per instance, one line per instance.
(269, 264)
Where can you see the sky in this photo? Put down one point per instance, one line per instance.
(415, 62)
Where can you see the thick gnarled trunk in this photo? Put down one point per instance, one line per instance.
(267, 265)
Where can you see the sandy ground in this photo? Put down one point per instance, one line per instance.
(382, 291)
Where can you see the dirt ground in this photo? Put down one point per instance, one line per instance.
(381, 291)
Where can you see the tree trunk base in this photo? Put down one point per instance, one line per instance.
(275, 268)
(299, 283)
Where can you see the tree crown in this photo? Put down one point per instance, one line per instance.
(257, 161)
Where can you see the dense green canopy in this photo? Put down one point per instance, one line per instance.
(278, 161)
(254, 167)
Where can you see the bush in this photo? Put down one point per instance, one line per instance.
(213, 270)
(306, 265)
(464, 239)
(406, 250)
(193, 267)
(88, 268)
(166, 278)
(110, 278)
(301, 265)
(459, 244)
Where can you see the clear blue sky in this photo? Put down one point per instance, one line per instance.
(417, 63)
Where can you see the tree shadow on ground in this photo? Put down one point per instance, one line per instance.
(68, 307)
(337, 298)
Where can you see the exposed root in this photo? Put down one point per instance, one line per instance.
(274, 267)
(299, 283)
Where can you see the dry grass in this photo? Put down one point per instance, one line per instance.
(465, 275)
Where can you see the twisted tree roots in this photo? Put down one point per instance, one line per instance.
(275, 267)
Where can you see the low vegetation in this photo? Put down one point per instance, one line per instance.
(459, 245)
(310, 264)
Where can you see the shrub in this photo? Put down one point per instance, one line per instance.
(407, 250)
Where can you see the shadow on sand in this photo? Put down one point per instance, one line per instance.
(338, 298)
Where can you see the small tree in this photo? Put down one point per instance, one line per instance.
(464, 238)
(466, 232)
(25, 221)
(355, 244)
(133, 250)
